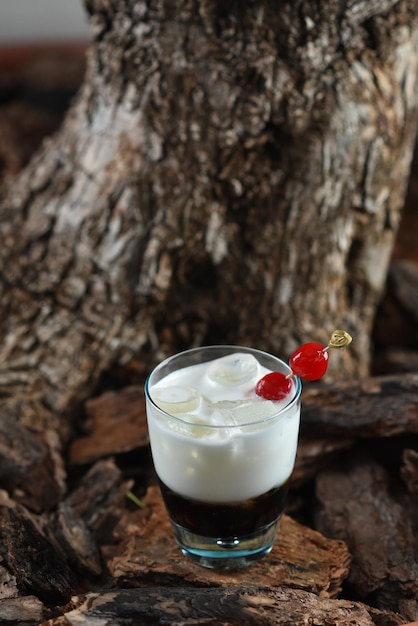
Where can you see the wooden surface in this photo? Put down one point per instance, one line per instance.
(116, 423)
(355, 481)
(301, 557)
(375, 513)
(225, 606)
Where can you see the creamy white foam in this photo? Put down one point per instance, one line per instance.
(223, 443)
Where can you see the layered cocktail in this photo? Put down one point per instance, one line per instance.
(223, 454)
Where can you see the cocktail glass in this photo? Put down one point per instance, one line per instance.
(223, 481)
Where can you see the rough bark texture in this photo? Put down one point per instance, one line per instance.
(219, 607)
(228, 172)
(148, 554)
(356, 408)
(116, 423)
(97, 538)
(385, 550)
(27, 611)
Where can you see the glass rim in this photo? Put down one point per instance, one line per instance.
(229, 347)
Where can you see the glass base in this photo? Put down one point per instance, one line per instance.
(229, 553)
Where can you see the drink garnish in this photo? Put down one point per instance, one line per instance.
(273, 386)
(309, 361)
(339, 339)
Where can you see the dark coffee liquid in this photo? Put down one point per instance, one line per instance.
(234, 519)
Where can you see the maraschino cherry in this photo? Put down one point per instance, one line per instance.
(273, 386)
(309, 362)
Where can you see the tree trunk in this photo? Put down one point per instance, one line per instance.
(229, 172)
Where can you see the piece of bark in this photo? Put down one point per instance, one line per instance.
(313, 454)
(25, 611)
(30, 468)
(334, 416)
(362, 504)
(225, 606)
(99, 493)
(84, 516)
(379, 406)
(148, 555)
(117, 423)
(76, 540)
(31, 556)
(8, 585)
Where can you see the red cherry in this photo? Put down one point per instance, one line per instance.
(273, 386)
(310, 361)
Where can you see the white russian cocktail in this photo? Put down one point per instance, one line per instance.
(222, 454)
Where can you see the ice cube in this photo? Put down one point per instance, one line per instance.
(190, 425)
(176, 399)
(222, 417)
(233, 369)
(223, 422)
(224, 404)
(250, 412)
(240, 412)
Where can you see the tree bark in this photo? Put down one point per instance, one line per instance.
(27, 611)
(228, 173)
(361, 503)
(363, 499)
(147, 555)
(233, 606)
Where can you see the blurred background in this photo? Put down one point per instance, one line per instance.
(41, 21)
(42, 63)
